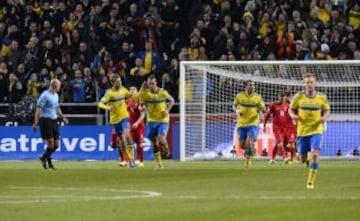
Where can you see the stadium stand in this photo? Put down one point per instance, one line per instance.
(82, 42)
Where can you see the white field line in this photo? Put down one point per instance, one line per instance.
(268, 197)
(136, 194)
(118, 194)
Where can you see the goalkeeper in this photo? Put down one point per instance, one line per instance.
(247, 105)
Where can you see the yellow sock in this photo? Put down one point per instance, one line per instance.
(166, 149)
(129, 151)
(158, 158)
(312, 175)
(248, 161)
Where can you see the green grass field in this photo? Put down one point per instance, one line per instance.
(211, 190)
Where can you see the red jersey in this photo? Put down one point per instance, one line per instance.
(134, 112)
(281, 117)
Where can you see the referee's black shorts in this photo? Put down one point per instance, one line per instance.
(49, 128)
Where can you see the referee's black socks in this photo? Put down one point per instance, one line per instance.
(47, 153)
(53, 150)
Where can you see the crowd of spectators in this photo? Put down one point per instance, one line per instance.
(83, 42)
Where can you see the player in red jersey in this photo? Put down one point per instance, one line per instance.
(291, 132)
(136, 117)
(281, 126)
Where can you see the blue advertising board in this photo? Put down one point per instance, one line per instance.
(92, 142)
(76, 143)
(343, 136)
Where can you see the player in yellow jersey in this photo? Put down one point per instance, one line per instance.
(114, 102)
(311, 110)
(158, 103)
(247, 105)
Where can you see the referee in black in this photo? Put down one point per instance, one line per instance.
(46, 114)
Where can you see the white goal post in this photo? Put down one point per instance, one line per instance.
(207, 90)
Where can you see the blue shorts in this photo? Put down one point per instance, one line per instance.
(308, 143)
(122, 126)
(248, 131)
(154, 129)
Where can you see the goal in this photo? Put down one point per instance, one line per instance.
(207, 90)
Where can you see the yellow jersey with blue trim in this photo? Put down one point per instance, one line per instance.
(309, 110)
(249, 106)
(116, 98)
(156, 104)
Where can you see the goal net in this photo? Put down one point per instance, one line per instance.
(207, 91)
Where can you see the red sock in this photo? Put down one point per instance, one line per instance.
(292, 153)
(113, 140)
(282, 151)
(140, 153)
(121, 154)
(274, 153)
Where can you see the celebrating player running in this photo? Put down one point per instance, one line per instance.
(158, 103)
(311, 109)
(247, 104)
(114, 101)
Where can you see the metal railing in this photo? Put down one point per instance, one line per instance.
(75, 110)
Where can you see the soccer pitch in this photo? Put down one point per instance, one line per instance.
(209, 190)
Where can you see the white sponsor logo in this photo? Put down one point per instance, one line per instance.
(146, 144)
(86, 144)
(11, 123)
(25, 144)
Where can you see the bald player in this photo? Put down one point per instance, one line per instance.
(311, 109)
